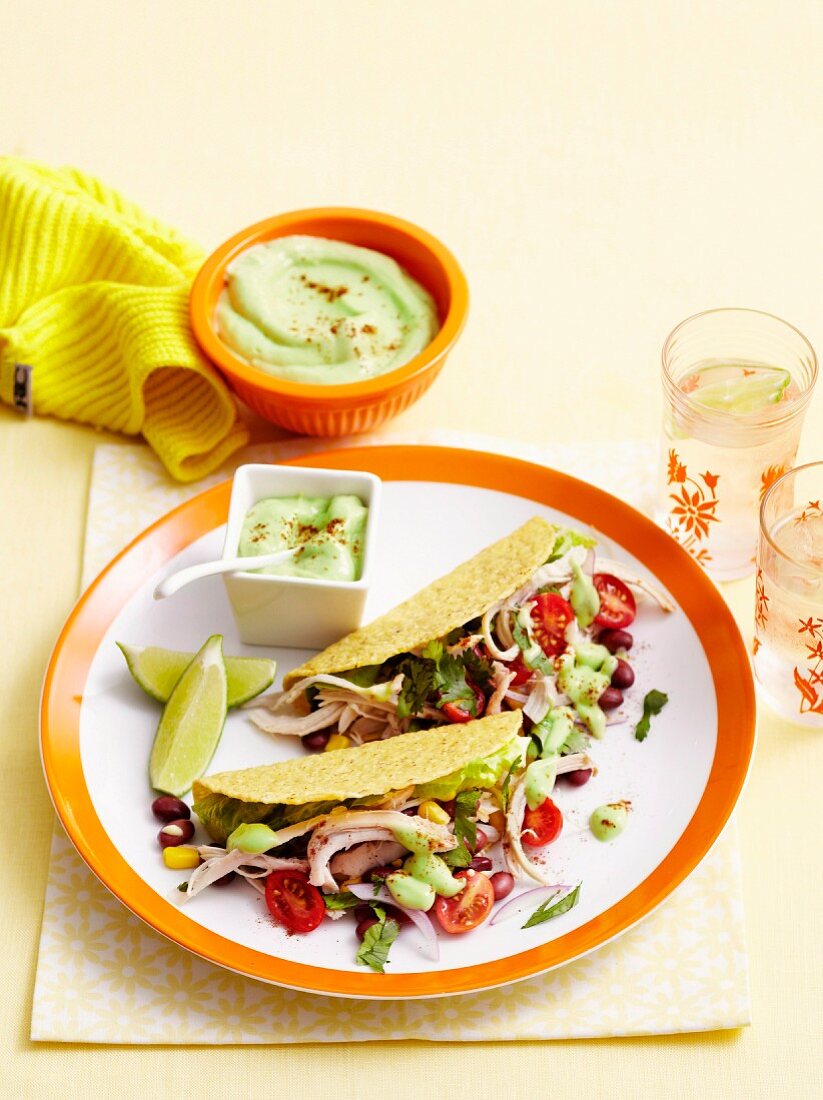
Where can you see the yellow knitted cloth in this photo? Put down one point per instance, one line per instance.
(94, 298)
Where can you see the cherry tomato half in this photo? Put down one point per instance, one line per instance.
(459, 710)
(617, 606)
(468, 908)
(521, 671)
(293, 901)
(542, 825)
(551, 615)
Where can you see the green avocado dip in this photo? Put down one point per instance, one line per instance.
(309, 309)
(329, 531)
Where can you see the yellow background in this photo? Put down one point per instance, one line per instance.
(602, 170)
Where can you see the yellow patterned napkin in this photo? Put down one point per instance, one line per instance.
(105, 977)
(94, 319)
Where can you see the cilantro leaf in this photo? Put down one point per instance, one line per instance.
(457, 857)
(551, 908)
(506, 784)
(419, 682)
(465, 808)
(374, 950)
(433, 651)
(343, 900)
(479, 668)
(465, 829)
(652, 705)
(438, 677)
(454, 687)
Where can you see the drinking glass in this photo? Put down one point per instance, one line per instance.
(736, 385)
(788, 621)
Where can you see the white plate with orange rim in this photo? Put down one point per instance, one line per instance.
(440, 506)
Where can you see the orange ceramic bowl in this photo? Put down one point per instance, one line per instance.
(353, 406)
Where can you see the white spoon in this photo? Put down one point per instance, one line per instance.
(173, 583)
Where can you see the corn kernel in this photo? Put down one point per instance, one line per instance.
(337, 741)
(181, 858)
(497, 820)
(434, 813)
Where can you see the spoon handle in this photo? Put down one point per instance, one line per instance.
(173, 583)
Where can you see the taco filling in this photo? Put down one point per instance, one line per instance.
(535, 648)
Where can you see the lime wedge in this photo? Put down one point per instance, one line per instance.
(191, 723)
(157, 670)
(744, 395)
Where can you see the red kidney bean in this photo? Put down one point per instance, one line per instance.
(382, 872)
(364, 925)
(578, 778)
(611, 698)
(502, 884)
(168, 808)
(175, 832)
(623, 675)
(481, 841)
(481, 863)
(317, 741)
(229, 876)
(363, 912)
(615, 639)
(448, 806)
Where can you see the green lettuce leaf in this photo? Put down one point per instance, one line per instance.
(566, 538)
(365, 677)
(221, 815)
(485, 773)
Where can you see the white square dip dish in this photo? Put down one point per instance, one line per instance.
(297, 612)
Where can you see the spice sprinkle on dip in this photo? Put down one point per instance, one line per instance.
(309, 309)
(328, 531)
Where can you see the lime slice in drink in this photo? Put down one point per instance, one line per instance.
(744, 393)
(192, 722)
(157, 670)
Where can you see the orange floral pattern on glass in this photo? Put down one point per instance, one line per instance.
(809, 680)
(693, 507)
(769, 476)
(761, 610)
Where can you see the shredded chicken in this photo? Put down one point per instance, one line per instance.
(362, 858)
(463, 644)
(356, 826)
(218, 862)
(293, 725)
(516, 858)
(502, 679)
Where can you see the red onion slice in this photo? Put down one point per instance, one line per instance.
(365, 892)
(528, 901)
